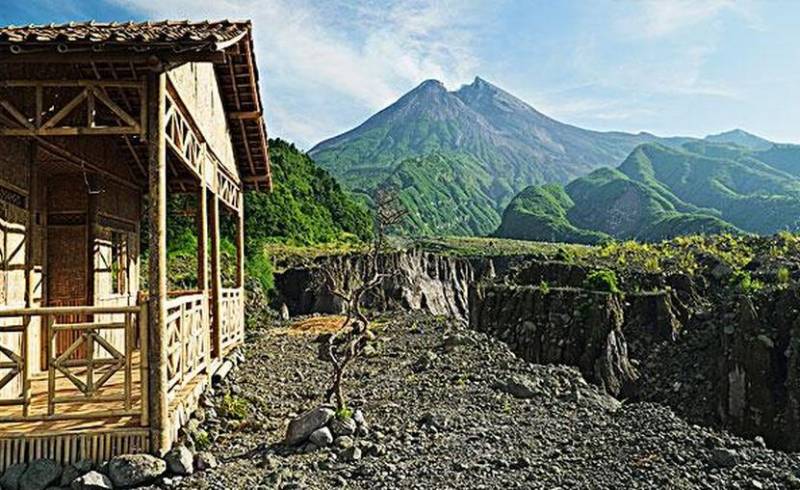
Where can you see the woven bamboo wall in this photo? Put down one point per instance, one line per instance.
(196, 84)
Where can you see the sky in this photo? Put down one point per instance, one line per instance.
(670, 67)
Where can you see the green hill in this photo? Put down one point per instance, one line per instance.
(306, 205)
(659, 192)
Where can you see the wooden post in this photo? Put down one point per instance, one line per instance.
(30, 279)
(157, 341)
(240, 244)
(202, 265)
(240, 266)
(216, 280)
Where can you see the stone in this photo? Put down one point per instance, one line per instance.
(724, 458)
(451, 342)
(133, 470)
(92, 480)
(12, 475)
(343, 442)
(204, 460)
(350, 454)
(321, 437)
(519, 387)
(40, 474)
(358, 417)
(342, 426)
(284, 313)
(303, 426)
(180, 461)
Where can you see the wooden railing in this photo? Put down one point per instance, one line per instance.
(92, 377)
(231, 318)
(188, 340)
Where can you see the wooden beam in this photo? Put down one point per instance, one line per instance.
(157, 341)
(247, 115)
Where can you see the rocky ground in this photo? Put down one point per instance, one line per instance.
(450, 408)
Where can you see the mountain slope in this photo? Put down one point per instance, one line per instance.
(659, 192)
(445, 195)
(512, 143)
(306, 206)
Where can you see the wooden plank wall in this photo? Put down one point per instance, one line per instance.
(14, 242)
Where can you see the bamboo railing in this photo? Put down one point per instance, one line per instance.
(231, 318)
(91, 378)
(188, 340)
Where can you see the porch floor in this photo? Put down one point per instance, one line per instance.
(83, 415)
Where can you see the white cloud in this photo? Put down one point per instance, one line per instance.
(659, 18)
(345, 53)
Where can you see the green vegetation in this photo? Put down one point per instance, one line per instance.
(234, 407)
(307, 205)
(344, 413)
(744, 283)
(602, 280)
(783, 276)
(660, 192)
(445, 195)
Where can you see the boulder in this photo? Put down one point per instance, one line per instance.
(92, 480)
(76, 469)
(204, 461)
(12, 475)
(301, 428)
(133, 470)
(351, 454)
(40, 474)
(321, 437)
(342, 426)
(180, 461)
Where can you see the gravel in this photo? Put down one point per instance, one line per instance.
(471, 415)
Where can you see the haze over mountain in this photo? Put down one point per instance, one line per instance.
(502, 142)
(660, 192)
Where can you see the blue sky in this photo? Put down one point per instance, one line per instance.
(671, 67)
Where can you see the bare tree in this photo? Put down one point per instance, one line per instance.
(348, 342)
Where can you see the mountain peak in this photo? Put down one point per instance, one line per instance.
(742, 138)
(431, 85)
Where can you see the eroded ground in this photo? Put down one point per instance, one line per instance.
(450, 408)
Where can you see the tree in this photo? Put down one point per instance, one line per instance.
(348, 342)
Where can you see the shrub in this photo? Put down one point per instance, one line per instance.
(602, 280)
(742, 281)
(783, 276)
(544, 287)
(233, 407)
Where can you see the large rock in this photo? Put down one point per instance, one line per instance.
(342, 426)
(92, 481)
(180, 461)
(321, 437)
(133, 470)
(40, 475)
(301, 428)
(12, 475)
(204, 460)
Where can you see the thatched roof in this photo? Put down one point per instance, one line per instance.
(227, 44)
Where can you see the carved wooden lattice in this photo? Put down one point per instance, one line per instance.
(99, 363)
(182, 138)
(231, 318)
(188, 340)
(51, 108)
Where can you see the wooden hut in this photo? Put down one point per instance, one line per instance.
(99, 124)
